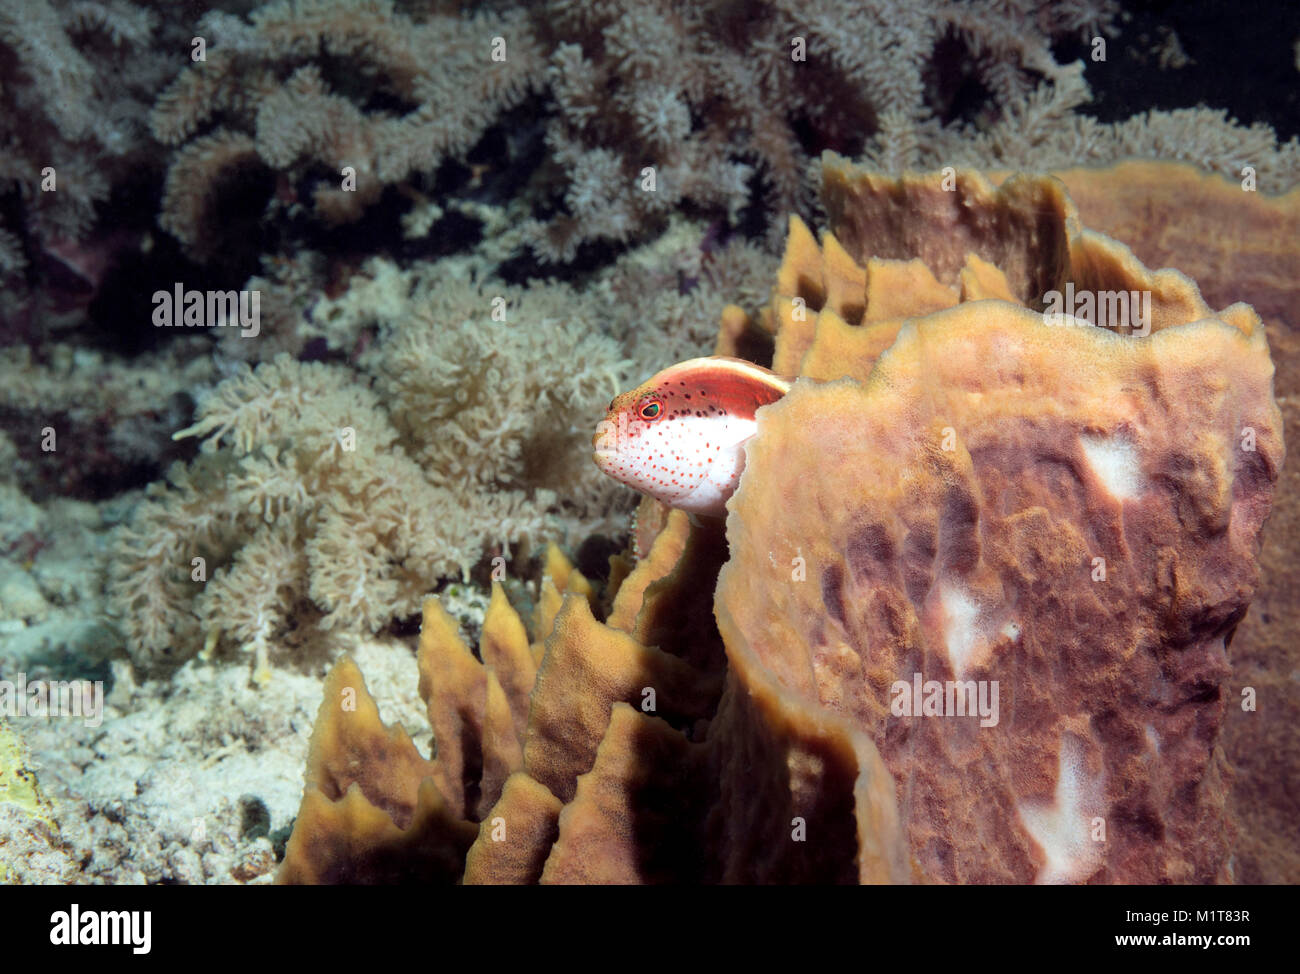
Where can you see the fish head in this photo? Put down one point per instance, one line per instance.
(680, 436)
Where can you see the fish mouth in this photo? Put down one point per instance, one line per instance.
(600, 441)
(598, 449)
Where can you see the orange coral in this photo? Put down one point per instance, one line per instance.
(605, 792)
(978, 562)
(370, 811)
(911, 565)
(942, 510)
(1236, 244)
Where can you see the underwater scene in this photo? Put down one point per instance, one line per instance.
(649, 442)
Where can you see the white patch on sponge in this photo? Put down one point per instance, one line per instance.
(1063, 829)
(1114, 459)
(961, 634)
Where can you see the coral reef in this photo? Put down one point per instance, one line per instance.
(1042, 131)
(975, 465)
(415, 414)
(189, 779)
(111, 419)
(660, 301)
(303, 499)
(289, 90)
(657, 105)
(342, 493)
(28, 836)
(78, 80)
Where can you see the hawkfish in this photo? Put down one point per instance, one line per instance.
(680, 436)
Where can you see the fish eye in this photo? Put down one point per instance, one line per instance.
(651, 409)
